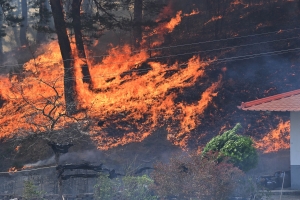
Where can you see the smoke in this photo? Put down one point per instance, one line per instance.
(10, 64)
(91, 156)
(70, 158)
(47, 162)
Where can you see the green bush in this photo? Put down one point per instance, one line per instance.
(105, 189)
(137, 187)
(239, 149)
(125, 188)
(30, 191)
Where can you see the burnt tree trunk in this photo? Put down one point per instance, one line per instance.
(137, 22)
(41, 36)
(86, 77)
(66, 52)
(23, 28)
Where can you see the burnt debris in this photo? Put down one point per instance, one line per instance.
(97, 168)
(100, 123)
(142, 169)
(183, 168)
(66, 177)
(112, 173)
(86, 166)
(59, 148)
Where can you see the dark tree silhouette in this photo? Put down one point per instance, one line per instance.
(76, 4)
(66, 52)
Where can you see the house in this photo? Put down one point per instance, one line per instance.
(284, 102)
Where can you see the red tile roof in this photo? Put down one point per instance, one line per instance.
(288, 101)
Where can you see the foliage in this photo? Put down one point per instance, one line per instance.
(105, 188)
(127, 188)
(195, 177)
(238, 148)
(137, 187)
(30, 191)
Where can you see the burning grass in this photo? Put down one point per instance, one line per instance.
(277, 139)
(128, 102)
(131, 106)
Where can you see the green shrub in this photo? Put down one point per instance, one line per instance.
(105, 188)
(125, 188)
(30, 191)
(239, 149)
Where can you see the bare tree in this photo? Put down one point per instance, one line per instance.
(49, 121)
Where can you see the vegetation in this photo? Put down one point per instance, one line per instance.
(127, 188)
(195, 177)
(30, 191)
(239, 149)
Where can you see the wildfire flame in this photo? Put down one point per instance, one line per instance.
(12, 169)
(131, 95)
(142, 102)
(214, 18)
(165, 28)
(275, 140)
(131, 101)
(194, 12)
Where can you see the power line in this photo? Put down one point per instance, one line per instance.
(209, 41)
(189, 53)
(236, 58)
(225, 59)
(225, 39)
(187, 44)
(217, 60)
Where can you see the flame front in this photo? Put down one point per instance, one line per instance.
(12, 169)
(131, 95)
(277, 139)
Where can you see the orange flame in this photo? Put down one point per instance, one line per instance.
(277, 139)
(165, 28)
(194, 12)
(131, 96)
(214, 18)
(17, 148)
(174, 22)
(12, 169)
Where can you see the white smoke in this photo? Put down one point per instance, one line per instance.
(69, 158)
(47, 162)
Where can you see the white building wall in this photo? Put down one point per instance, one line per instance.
(295, 138)
(295, 150)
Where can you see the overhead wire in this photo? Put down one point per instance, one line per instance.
(184, 54)
(230, 59)
(182, 45)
